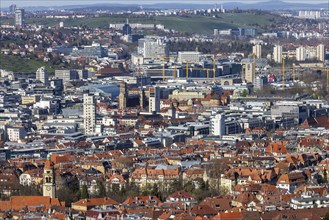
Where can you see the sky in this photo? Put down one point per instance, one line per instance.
(26, 3)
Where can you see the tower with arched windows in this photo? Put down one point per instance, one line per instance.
(49, 186)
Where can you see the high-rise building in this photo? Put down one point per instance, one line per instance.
(42, 76)
(217, 125)
(257, 50)
(259, 82)
(89, 113)
(123, 96)
(12, 8)
(152, 48)
(49, 184)
(19, 18)
(72, 74)
(126, 29)
(249, 72)
(154, 99)
(320, 51)
(300, 54)
(277, 54)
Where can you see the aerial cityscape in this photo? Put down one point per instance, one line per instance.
(164, 110)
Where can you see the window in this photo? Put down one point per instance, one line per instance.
(48, 180)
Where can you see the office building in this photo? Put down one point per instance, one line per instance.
(12, 8)
(16, 133)
(68, 75)
(277, 54)
(257, 50)
(300, 54)
(89, 113)
(309, 14)
(217, 125)
(249, 72)
(152, 48)
(320, 52)
(259, 82)
(154, 99)
(95, 50)
(189, 56)
(20, 18)
(42, 76)
(126, 29)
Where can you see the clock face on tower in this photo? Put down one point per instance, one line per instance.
(48, 188)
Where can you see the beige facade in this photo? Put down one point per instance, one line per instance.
(186, 95)
(30, 99)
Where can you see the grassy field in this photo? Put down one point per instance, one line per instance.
(191, 24)
(249, 20)
(194, 24)
(19, 64)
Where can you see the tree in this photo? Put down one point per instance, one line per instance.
(101, 189)
(244, 93)
(325, 176)
(326, 217)
(84, 192)
(175, 185)
(68, 195)
(115, 188)
(28, 190)
(156, 192)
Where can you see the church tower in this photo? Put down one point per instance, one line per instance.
(141, 95)
(142, 99)
(123, 96)
(49, 186)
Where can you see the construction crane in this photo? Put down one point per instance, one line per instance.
(163, 58)
(214, 67)
(294, 72)
(163, 69)
(203, 69)
(186, 69)
(283, 63)
(175, 71)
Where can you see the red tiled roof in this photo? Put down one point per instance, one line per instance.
(95, 202)
(18, 203)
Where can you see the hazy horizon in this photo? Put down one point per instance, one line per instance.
(33, 3)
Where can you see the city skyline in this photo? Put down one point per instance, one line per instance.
(20, 3)
(162, 110)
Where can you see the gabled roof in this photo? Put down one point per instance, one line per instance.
(276, 147)
(94, 202)
(292, 178)
(219, 203)
(142, 200)
(203, 210)
(18, 203)
(181, 195)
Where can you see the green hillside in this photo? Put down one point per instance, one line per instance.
(190, 24)
(19, 64)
